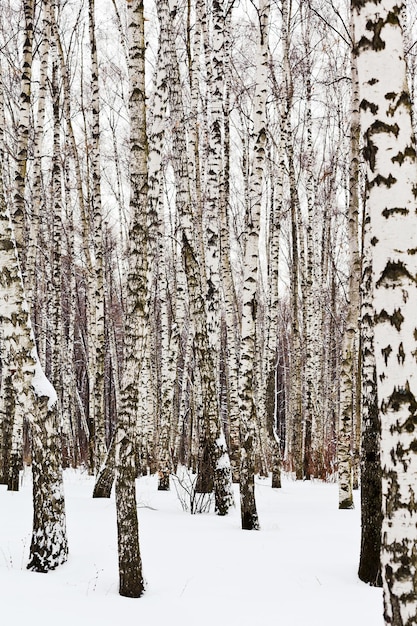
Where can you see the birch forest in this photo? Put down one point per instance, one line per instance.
(191, 283)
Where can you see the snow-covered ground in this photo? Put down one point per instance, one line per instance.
(298, 570)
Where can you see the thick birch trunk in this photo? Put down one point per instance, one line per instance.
(36, 399)
(391, 165)
(15, 460)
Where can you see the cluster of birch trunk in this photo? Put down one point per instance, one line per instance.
(184, 254)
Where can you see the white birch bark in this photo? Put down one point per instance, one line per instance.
(191, 233)
(215, 79)
(170, 333)
(391, 167)
(19, 222)
(247, 367)
(36, 400)
(33, 234)
(131, 581)
(369, 570)
(272, 321)
(350, 345)
(228, 291)
(70, 441)
(311, 301)
(294, 444)
(7, 403)
(19, 209)
(96, 272)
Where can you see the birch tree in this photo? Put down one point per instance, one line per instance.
(96, 272)
(250, 280)
(350, 346)
(131, 583)
(371, 497)
(391, 168)
(34, 399)
(295, 431)
(14, 420)
(19, 209)
(191, 246)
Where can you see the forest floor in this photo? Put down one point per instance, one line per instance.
(300, 569)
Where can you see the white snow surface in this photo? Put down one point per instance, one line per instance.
(300, 569)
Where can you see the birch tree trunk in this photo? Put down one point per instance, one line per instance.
(230, 304)
(31, 245)
(371, 487)
(247, 381)
(191, 234)
(19, 209)
(14, 456)
(271, 358)
(391, 166)
(350, 344)
(131, 583)
(35, 399)
(295, 426)
(215, 80)
(170, 333)
(96, 272)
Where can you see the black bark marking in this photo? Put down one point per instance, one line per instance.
(393, 501)
(365, 105)
(401, 156)
(381, 127)
(369, 153)
(399, 397)
(394, 211)
(396, 319)
(382, 180)
(6, 244)
(401, 354)
(386, 353)
(395, 273)
(359, 4)
(369, 150)
(374, 42)
(403, 100)
(374, 241)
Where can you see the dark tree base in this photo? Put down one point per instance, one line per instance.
(163, 481)
(250, 521)
(346, 504)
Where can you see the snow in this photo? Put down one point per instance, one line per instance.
(298, 570)
(41, 385)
